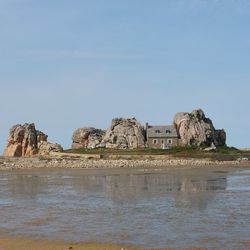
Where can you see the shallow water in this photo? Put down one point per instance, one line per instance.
(174, 208)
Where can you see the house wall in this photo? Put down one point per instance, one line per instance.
(150, 142)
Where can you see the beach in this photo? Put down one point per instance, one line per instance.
(95, 162)
(7, 243)
(171, 207)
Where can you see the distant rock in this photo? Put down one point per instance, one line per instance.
(24, 140)
(41, 137)
(196, 129)
(88, 138)
(125, 133)
(220, 137)
(44, 148)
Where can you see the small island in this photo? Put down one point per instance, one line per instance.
(190, 141)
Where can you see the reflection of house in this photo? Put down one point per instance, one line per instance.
(161, 136)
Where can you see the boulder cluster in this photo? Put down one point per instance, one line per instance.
(193, 129)
(87, 138)
(122, 134)
(25, 140)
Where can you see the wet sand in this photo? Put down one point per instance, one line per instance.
(196, 190)
(27, 244)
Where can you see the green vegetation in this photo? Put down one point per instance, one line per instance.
(220, 154)
(104, 151)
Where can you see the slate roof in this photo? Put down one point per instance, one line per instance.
(161, 132)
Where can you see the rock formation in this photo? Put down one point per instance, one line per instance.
(220, 137)
(124, 133)
(24, 140)
(88, 138)
(197, 130)
(44, 148)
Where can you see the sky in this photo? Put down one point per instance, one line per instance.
(66, 64)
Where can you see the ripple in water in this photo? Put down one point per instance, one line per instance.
(175, 209)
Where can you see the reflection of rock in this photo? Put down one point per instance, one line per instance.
(125, 133)
(87, 138)
(135, 187)
(187, 184)
(198, 192)
(27, 185)
(195, 129)
(24, 140)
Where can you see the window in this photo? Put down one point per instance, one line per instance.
(170, 141)
(155, 141)
(168, 131)
(157, 131)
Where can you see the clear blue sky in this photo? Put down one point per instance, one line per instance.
(66, 64)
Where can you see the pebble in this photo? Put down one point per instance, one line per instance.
(35, 162)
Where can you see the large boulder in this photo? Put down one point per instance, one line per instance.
(87, 138)
(220, 137)
(196, 129)
(125, 133)
(24, 140)
(44, 148)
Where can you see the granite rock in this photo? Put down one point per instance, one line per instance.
(125, 133)
(195, 129)
(44, 148)
(87, 138)
(25, 140)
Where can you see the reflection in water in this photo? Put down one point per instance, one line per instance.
(120, 188)
(26, 185)
(149, 209)
(128, 188)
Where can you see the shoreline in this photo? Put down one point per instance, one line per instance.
(23, 243)
(62, 162)
(12, 241)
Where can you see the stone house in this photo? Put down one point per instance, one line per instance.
(161, 137)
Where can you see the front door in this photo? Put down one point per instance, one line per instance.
(163, 144)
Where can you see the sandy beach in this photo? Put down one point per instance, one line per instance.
(51, 166)
(7, 243)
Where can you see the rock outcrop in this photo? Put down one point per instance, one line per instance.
(220, 137)
(88, 138)
(44, 148)
(124, 133)
(24, 140)
(196, 129)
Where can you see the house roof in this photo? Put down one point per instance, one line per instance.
(161, 132)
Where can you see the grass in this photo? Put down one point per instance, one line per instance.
(104, 151)
(220, 154)
(140, 151)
